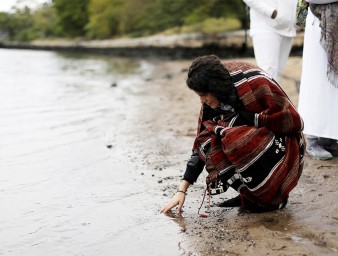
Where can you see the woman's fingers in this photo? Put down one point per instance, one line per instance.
(179, 208)
(178, 199)
(171, 204)
(168, 207)
(180, 205)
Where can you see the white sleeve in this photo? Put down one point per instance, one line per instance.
(321, 1)
(260, 6)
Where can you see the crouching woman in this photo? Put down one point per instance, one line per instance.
(249, 136)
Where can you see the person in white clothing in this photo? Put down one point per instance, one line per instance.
(272, 28)
(318, 97)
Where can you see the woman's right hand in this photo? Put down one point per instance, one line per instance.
(177, 199)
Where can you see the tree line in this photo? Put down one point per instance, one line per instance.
(103, 19)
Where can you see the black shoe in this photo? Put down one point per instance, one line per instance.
(233, 202)
(257, 208)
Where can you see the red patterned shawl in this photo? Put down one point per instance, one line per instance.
(242, 146)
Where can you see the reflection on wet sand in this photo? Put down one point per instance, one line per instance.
(178, 219)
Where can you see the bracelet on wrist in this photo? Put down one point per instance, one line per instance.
(181, 191)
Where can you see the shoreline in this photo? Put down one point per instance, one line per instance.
(235, 44)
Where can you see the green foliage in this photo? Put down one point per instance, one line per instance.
(26, 25)
(20, 24)
(44, 22)
(72, 16)
(100, 19)
(211, 26)
(160, 15)
(5, 24)
(131, 16)
(214, 9)
(108, 18)
(214, 26)
(103, 18)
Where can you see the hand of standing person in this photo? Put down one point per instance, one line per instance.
(274, 14)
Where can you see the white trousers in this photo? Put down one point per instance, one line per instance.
(271, 52)
(318, 98)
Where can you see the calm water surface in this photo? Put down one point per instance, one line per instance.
(62, 190)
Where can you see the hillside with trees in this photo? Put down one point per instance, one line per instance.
(107, 19)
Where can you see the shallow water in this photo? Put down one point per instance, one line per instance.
(67, 184)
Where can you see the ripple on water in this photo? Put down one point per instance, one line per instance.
(63, 192)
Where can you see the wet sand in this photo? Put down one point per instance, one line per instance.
(307, 226)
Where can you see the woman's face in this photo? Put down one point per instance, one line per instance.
(209, 99)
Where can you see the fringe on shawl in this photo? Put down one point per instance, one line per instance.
(328, 16)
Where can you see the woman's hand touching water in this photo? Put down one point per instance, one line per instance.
(178, 199)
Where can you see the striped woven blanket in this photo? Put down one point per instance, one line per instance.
(261, 158)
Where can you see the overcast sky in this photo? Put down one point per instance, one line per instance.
(5, 5)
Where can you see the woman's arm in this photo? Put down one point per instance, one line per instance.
(194, 168)
(279, 115)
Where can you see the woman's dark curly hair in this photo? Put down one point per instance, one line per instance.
(208, 74)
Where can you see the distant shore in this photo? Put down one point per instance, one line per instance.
(226, 45)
